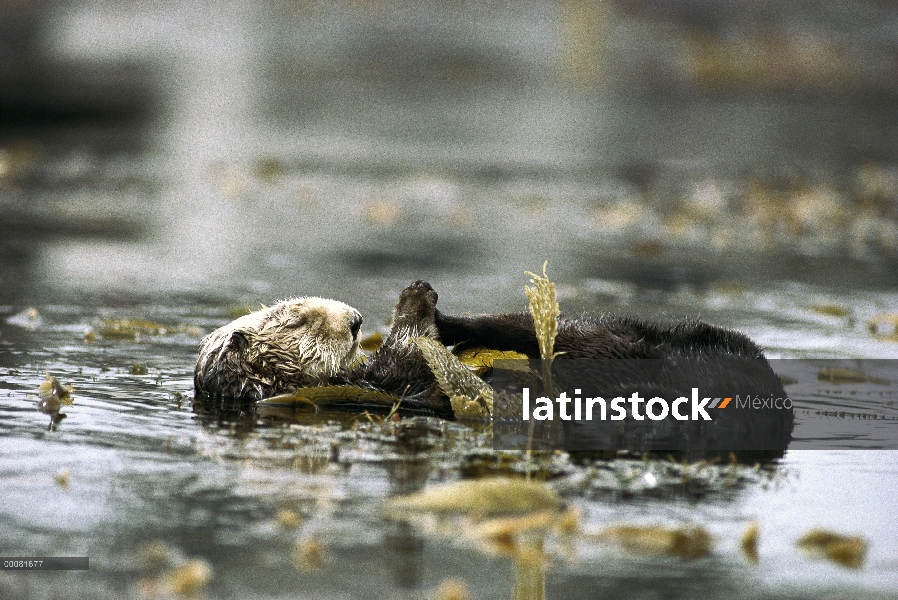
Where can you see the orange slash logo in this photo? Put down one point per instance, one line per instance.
(722, 404)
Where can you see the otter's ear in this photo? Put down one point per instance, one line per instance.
(239, 340)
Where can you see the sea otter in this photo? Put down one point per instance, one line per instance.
(684, 359)
(307, 342)
(311, 342)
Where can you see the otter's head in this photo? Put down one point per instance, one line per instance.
(322, 333)
(279, 347)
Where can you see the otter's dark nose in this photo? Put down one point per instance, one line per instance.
(355, 323)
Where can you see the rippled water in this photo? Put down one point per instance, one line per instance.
(142, 465)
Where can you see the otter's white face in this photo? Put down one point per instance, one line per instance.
(291, 344)
(323, 333)
(319, 335)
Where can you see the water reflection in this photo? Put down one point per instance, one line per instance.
(52, 409)
(236, 416)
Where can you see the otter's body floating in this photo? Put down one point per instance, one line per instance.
(308, 342)
(312, 342)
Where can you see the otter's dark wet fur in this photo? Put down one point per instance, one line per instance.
(398, 367)
(597, 337)
(718, 361)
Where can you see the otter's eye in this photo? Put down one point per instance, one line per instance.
(355, 323)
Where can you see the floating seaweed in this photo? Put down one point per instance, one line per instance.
(688, 543)
(372, 342)
(480, 360)
(837, 375)
(382, 212)
(269, 169)
(545, 311)
(469, 395)
(309, 554)
(501, 534)
(240, 310)
(831, 310)
(748, 542)
(188, 578)
(53, 394)
(319, 397)
(452, 589)
(62, 479)
(111, 328)
(288, 518)
(848, 551)
(481, 496)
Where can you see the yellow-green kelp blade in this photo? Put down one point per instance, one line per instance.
(469, 395)
(481, 496)
(335, 394)
(480, 359)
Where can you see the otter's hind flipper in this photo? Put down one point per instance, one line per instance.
(398, 367)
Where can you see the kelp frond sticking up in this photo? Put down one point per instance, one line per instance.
(545, 310)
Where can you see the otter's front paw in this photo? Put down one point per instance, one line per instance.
(415, 312)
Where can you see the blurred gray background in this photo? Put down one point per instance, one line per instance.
(243, 151)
